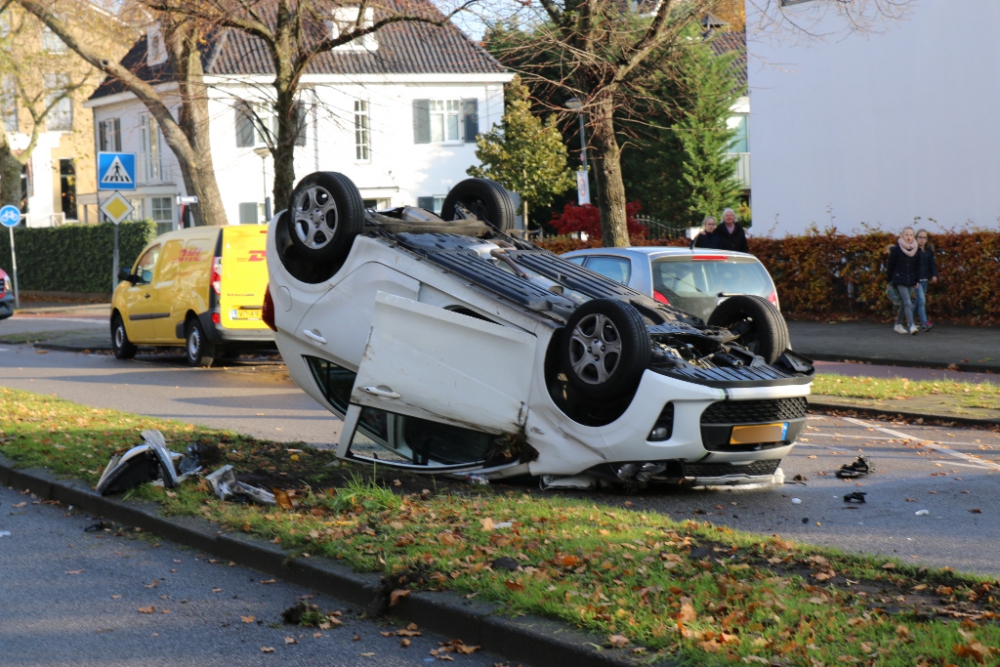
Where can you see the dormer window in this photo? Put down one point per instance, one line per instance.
(156, 49)
(345, 20)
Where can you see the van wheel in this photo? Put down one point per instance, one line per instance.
(485, 199)
(120, 344)
(605, 349)
(326, 214)
(198, 351)
(759, 325)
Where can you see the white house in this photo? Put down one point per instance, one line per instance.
(882, 128)
(397, 112)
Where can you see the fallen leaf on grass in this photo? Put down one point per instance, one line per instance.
(515, 586)
(397, 595)
(618, 640)
(687, 613)
(247, 619)
(281, 497)
(487, 524)
(147, 610)
(889, 566)
(974, 650)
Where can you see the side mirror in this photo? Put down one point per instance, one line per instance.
(125, 274)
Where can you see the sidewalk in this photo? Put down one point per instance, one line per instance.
(969, 349)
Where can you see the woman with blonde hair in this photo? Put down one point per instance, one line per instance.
(902, 270)
(706, 238)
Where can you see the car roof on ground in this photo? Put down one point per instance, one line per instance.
(655, 252)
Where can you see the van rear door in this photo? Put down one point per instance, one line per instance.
(243, 277)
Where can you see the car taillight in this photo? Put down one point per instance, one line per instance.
(217, 275)
(267, 313)
(708, 258)
(773, 298)
(216, 318)
(659, 297)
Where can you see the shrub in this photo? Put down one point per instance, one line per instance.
(832, 276)
(73, 258)
(587, 219)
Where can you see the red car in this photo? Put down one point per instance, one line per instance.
(6, 296)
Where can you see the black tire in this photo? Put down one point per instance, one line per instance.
(605, 349)
(197, 350)
(486, 199)
(120, 344)
(325, 214)
(760, 326)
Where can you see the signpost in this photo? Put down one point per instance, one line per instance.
(582, 189)
(116, 171)
(10, 216)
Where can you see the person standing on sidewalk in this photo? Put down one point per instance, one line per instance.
(902, 269)
(926, 272)
(706, 238)
(730, 233)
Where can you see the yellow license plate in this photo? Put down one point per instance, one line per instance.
(758, 433)
(243, 314)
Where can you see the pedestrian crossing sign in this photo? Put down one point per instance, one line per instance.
(116, 171)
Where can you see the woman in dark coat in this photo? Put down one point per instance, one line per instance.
(902, 269)
(706, 238)
(926, 272)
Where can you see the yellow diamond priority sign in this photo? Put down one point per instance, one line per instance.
(117, 207)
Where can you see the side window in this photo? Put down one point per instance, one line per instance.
(144, 268)
(335, 382)
(618, 269)
(577, 260)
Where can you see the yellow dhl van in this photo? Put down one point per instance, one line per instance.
(201, 288)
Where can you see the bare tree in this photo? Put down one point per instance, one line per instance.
(188, 134)
(294, 33)
(23, 58)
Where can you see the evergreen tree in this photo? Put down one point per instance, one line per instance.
(524, 154)
(708, 169)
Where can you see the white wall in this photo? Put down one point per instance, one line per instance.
(877, 128)
(399, 170)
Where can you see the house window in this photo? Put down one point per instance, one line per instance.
(362, 134)
(152, 162)
(8, 100)
(434, 203)
(740, 142)
(440, 121)
(138, 208)
(67, 188)
(257, 124)
(162, 213)
(345, 20)
(109, 135)
(51, 41)
(60, 118)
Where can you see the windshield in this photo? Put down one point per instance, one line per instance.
(687, 277)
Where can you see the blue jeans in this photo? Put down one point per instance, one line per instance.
(922, 302)
(905, 308)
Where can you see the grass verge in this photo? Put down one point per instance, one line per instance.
(984, 395)
(698, 593)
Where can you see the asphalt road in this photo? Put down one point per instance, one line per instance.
(947, 471)
(73, 598)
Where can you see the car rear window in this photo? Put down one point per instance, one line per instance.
(686, 276)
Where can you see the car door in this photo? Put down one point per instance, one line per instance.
(438, 390)
(163, 292)
(139, 308)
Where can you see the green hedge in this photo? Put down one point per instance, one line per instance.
(73, 258)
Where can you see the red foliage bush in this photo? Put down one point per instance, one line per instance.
(587, 219)
(832, 276)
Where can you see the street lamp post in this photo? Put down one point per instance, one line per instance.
(582, 181)
(263, 152)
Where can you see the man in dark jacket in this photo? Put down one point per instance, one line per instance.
(731, 234)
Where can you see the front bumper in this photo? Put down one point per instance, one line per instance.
(6, 306)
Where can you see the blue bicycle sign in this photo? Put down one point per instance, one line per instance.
(10, 216)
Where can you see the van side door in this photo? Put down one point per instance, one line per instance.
(139, 314)
(164, 294)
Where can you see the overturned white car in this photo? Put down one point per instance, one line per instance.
(449, 346)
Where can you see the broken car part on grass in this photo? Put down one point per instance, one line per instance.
(226, 487)
(449, 346)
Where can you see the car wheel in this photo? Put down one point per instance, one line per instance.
(759, 325)
(197, 350)
(485, 199)
(605, 349)
(325, 215)
(120, 344)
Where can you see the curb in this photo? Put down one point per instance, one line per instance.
(528, 639)
(906, 363)
(56, 347)
(864, 409)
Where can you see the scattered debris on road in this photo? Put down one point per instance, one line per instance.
(857, 468)
(855, 497)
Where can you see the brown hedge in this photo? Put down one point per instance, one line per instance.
(832, 276)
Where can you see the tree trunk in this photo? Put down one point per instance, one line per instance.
(284, 144)
(610, 187)
(10, 174)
